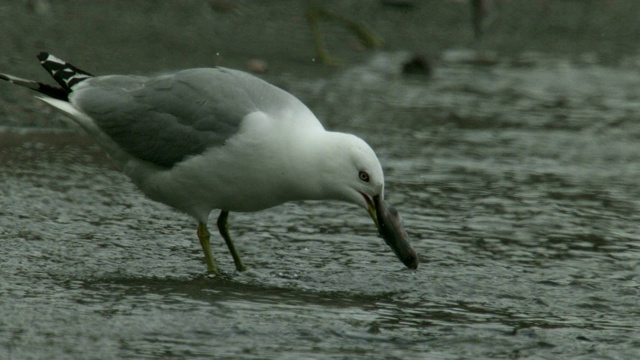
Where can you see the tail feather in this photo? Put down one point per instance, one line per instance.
(63, 73)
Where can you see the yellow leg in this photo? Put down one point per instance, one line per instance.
(368, 38)
(321, 50)
(224, 231)
(204, 236)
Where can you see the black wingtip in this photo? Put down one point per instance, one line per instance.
(65, 74)
(42, 56)
(62, 72)
(54, 92)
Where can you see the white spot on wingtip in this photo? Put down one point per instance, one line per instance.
(54, 59)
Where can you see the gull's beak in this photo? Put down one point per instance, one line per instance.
(390, 229)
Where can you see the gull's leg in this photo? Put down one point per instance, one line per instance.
(368, 38)
(224, 231)
(313, 14)
(204, 236)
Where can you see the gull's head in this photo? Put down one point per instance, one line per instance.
(355, 175)
(359, 177)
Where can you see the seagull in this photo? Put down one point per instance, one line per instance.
(215, 138)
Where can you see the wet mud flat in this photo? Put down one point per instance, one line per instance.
(518, 191)
(517, 183)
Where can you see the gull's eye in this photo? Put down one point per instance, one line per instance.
(363, 176)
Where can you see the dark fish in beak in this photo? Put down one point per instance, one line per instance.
(390, 228)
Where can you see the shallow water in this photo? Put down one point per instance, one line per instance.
(518, 184)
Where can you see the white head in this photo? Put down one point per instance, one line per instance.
(350, 170)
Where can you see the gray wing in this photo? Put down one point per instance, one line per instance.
(169, 118)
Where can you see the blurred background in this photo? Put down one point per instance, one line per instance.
(152, 36)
